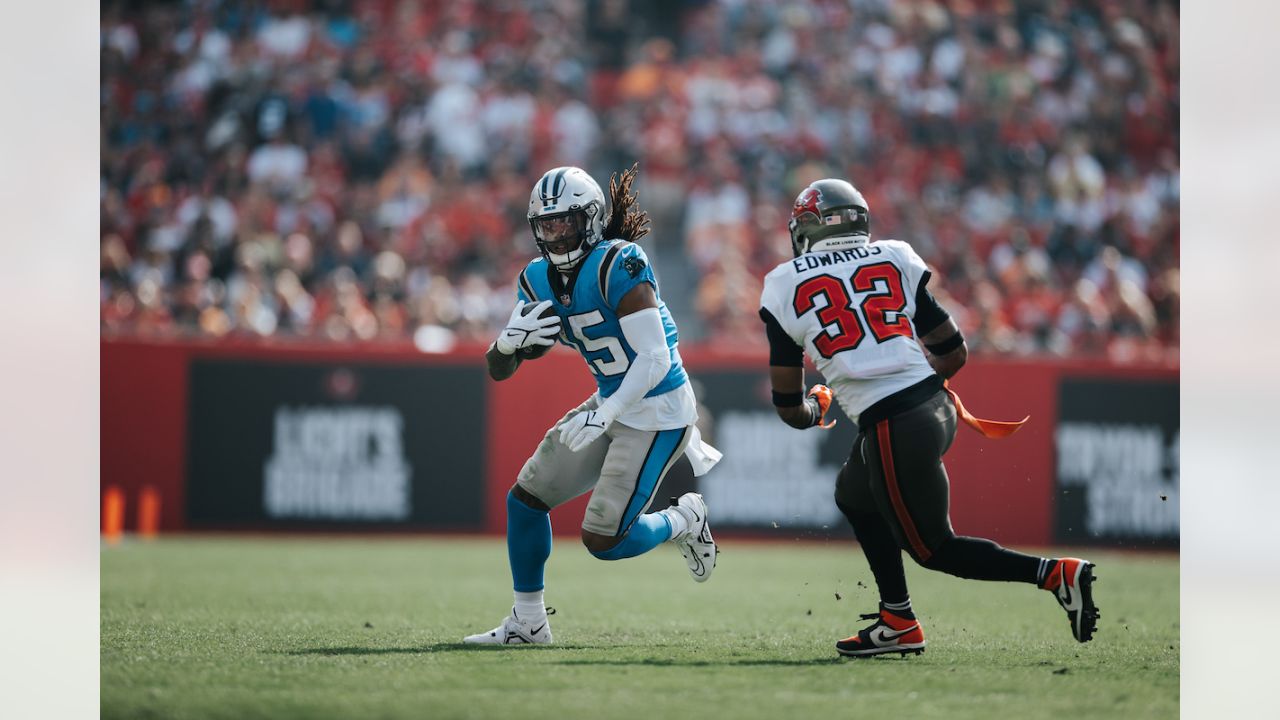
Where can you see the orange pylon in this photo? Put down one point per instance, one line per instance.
(149, 513)
(112, 514)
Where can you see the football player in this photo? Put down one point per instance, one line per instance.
(593, 290)
(862, 311)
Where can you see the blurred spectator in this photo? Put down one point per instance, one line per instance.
(359, 170)
(278, 165)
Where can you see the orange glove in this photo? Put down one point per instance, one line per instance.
(823, 395)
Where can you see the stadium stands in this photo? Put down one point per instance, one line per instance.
(359, 170)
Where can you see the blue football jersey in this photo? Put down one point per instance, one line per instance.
(588, 310)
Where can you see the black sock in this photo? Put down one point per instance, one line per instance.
(883, 555)
(979, 559)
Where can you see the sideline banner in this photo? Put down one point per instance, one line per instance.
(251, 435)
(331, 444)
(1117, 468)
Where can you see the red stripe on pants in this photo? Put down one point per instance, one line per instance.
(895, 495)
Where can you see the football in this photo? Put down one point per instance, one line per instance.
(533, 352)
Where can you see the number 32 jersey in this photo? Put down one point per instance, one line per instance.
(851, 311)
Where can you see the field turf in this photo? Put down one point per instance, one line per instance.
(370, 628)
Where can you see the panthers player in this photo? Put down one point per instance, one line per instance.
(620, 442)
(862, 310)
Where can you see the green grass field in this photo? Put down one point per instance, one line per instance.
(370, 628)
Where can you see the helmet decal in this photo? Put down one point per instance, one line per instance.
(552, 194)
(807, 202)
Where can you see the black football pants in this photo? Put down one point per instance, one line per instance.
(895, 493)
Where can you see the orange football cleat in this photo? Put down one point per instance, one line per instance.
(889, 634)
(1071, 582)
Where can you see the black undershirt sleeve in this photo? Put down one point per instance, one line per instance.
(783, 351)
(929, 314)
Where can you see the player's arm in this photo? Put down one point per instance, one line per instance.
(641, 323)
(642, 328)
(786, 376)
(939, 334)
(525, 328)
(501, 365)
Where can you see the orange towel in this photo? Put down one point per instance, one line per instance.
(994, 429)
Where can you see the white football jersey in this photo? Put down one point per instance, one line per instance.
(851, 310)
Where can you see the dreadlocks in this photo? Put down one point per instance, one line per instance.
(626, 221)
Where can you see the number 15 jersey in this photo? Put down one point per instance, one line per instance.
(851, 311)
(588, 308)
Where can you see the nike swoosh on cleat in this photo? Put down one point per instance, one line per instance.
(537, 630)
(702, 568)
(881, 637)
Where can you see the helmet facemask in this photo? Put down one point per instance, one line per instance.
(565, 238)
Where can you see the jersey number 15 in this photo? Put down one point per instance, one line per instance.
(843, 324)
(617, 362)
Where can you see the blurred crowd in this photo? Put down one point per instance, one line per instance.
(360, 169)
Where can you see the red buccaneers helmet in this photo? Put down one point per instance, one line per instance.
(827, 215)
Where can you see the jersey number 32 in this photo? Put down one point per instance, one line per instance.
(843, 324)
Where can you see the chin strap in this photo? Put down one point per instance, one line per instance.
(994, 429)
(567, 265)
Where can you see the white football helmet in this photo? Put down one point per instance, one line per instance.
(567, 214)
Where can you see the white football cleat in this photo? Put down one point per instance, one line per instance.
(695, 543)
(514, 631)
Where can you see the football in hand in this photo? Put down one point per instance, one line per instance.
(533, 352)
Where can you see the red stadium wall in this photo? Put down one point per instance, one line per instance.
(1001, 489)
(143, 420)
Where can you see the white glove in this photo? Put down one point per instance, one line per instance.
(527, 329)
(582, 429)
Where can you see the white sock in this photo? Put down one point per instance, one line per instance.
(1042, 573)
(529, 606)
(901, 609)
(677, 519)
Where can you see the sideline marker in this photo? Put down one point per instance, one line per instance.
(112, 514)
(149, 513)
